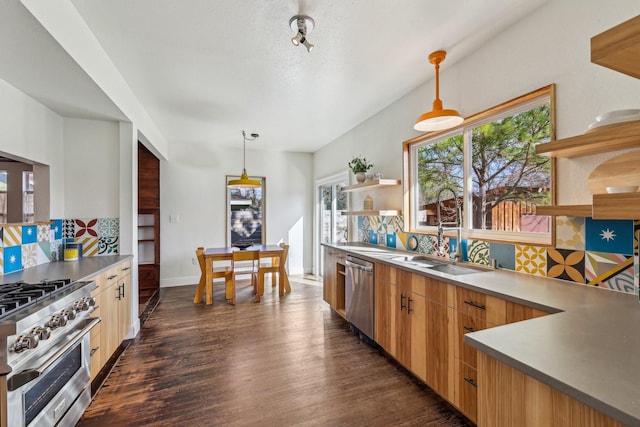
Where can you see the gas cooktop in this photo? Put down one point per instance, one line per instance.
(16, 296)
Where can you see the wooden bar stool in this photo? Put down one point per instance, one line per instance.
(216, 273)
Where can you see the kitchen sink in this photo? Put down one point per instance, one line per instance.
(418, 260)
(455, 269)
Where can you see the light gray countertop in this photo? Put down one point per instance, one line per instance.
(75, 270)
(588, 349)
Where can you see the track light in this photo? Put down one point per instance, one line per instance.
(303, 25)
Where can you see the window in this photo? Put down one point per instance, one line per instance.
(489, 166)
(246, 214)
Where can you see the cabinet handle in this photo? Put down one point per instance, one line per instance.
(121, 290)
(402, 306)
(93, 351)
(126, 268)
(469, 329)
(473, 304)
(471, 381)
(112, 277)
(409, 309)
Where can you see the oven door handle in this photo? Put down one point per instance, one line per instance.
(28, 375)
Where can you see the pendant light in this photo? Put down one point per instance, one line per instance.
(438, 118)
(245, 181)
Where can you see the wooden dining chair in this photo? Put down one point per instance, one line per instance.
(217, 273)
(244, 263)
(273, 266)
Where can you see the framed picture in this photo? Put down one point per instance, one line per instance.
(246, 214)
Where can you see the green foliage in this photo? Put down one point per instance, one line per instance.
(360, 164)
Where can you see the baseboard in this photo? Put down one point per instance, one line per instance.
(179, 281)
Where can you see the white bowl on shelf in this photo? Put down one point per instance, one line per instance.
(612, 120)
(622, 189)
(617, 114)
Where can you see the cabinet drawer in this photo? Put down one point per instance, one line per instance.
(467, 391)
(464, 325)
(477, 304)
(95, 361)
(124, 268)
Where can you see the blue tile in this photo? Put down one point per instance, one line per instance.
(373, 237)
(613, 236)
(504, 254)
(12, 259)
(360, 222)
(29, 234)
(57, 228)
(391, 240)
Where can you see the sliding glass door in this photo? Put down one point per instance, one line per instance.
(333, 226)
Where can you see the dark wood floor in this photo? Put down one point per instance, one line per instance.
(282, 362)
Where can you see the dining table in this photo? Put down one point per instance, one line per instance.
(212, 255)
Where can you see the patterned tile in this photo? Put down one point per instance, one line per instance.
(108, 245)
(401, 241)
(54, 249)
(44, 232)
(29, 255)
(504, 254)
(613, 236)
(636, 236)
(43, 253)
(435, 246)
(382, 239)
(69, 229)
(427, 244)
(364, 235)
(1, 261)
(90, 246)
(478, 251)
(85, 228)
(373, 237)
(57, 227)
(531, 260)
(412, 242)
(612, 271)
(12, 235)
(397, 223)
(570, 233)
(29, 234)
(366, 222)
(12, 259)
(1, 237)
(380, 225)
(391, 240)
(361, 222)
(565, 264)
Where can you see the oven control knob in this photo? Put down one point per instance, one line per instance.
(81, 305)
(70, 314)
(56, 321)
(89, 300)
(25, 342)
(41, 332)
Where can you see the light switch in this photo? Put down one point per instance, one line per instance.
(174, 218)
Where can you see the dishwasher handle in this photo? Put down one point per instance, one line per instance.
(358, 266)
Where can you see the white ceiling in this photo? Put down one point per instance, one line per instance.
(206, 69)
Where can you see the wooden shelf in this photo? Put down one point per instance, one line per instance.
(565, 210)
(618, 48)
(607, 138)
(374, 183)
(389, 212)
(616, 206)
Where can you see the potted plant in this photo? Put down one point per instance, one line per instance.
(359, 166)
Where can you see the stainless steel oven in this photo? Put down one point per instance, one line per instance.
(45, 381)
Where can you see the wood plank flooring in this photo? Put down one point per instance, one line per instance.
(282, 362)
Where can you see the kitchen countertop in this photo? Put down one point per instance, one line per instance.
(75, 270)
(587, 349)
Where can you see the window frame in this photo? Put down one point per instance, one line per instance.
(263, 211)
(410, 182)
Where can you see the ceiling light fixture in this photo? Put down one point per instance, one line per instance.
(438, 118)
(245, 181)
(303, 25)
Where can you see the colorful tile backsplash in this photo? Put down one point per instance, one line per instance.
(601, 253)
(25, 246)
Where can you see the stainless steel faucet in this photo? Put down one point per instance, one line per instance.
(457, 225)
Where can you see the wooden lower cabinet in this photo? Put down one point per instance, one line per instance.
(467, 390)
(334, 279)
(508, 397)
(113, 306)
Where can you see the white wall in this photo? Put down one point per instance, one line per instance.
(92, 172)
(193, 186)
(552, 45)
(33, 132)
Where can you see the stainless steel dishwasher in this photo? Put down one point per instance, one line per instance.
(359, 294)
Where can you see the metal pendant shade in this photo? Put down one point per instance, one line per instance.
(245, 181)
(438, 118)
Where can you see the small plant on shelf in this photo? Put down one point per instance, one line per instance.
(360, 164)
